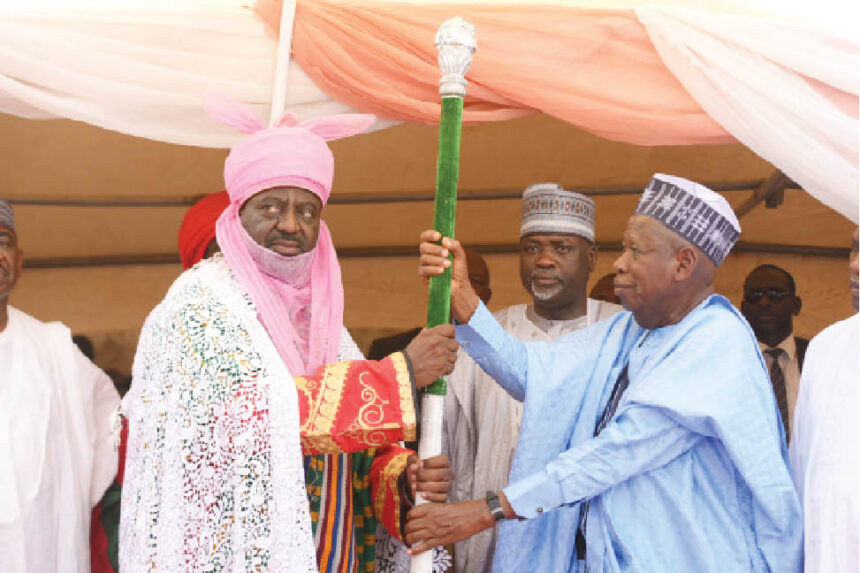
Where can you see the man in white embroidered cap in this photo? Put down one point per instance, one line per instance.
(650, 441)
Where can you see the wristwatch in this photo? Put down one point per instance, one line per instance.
(495, 506)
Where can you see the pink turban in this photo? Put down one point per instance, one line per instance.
(289, 154)
(198, 227)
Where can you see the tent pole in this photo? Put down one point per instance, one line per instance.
(770, 191)
(282, 61)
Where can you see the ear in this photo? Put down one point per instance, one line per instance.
(797, 305)
(338, 126)
(686, 259)
(592, 258)
(231, 112)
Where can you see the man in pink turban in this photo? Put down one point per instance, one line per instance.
(251, 411)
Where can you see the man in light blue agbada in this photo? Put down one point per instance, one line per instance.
(651, 441)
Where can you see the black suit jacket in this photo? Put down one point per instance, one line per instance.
(801, 344)
(382, 347)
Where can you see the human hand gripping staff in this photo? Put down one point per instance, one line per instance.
(432, 525)
(455, 41)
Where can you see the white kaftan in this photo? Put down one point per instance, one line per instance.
(56, 453)
(482, 422)
(213, 478)
(825, 455)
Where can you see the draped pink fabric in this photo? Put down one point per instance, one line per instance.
(380, 57)
(299, 299)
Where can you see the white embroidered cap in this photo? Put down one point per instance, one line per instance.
(549, 208)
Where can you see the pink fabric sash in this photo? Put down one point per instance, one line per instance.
(291, 155)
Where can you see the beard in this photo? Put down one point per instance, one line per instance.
(541, 292)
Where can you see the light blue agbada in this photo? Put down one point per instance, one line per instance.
(691, 474)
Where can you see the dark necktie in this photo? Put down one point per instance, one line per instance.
(609, 411)
(777, 379)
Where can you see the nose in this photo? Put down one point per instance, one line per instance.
(545, 259)
(288, 222)
(764, 300)
(620, 264)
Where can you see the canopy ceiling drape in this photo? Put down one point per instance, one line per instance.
(643, 74)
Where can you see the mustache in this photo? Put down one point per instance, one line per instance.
(281, 236)
(538, 274)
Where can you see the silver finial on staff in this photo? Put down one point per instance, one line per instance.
(456, 43)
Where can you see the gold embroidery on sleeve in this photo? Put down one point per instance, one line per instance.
(318, 429)
(404, 388)
(388, 482)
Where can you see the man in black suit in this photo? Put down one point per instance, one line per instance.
(770, 304)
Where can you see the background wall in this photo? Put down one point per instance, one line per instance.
(98, 213)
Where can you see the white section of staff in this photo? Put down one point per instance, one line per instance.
(430, 445)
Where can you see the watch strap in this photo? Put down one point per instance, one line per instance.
(495, 506)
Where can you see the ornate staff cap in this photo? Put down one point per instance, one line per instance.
(694, 212)
(550, 209)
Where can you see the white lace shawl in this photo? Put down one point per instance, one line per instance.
(214, 478)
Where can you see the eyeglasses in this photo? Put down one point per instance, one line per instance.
(773, 294)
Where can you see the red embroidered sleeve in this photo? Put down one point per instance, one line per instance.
(385, 471)
(352, 406)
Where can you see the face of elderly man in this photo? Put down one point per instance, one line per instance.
(285, 220)
(10, 261)
(645, 271)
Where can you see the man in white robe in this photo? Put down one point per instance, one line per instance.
(825, 457)
(56, 453)
(482, 421)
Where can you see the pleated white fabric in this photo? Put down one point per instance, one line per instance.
(786, 89)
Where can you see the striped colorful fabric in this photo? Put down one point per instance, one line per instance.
(348, 495)
(327, 479)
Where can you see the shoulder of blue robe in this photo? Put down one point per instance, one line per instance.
(706, 370)
(708, 376)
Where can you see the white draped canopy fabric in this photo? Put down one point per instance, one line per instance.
(142, 70)
(785, 88)
(768, 85)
